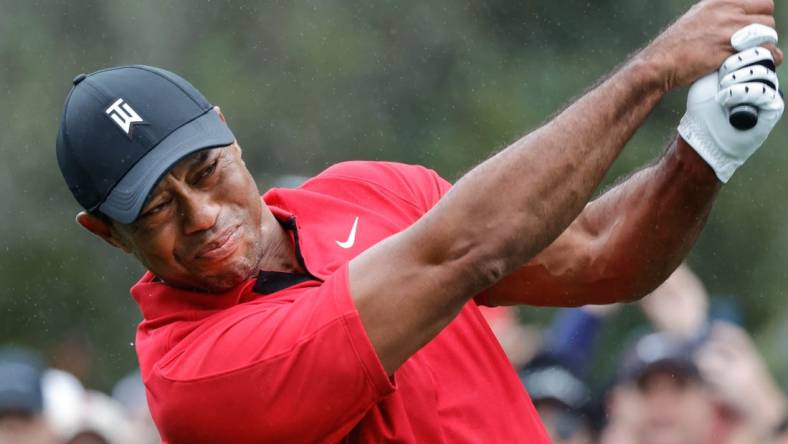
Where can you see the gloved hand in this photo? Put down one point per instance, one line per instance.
(705, 125)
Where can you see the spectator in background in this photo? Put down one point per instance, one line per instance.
(102, 421)
(710, 369)
(678, 306)
(749, 403)
(63, 397)
(130, 393)
(558, 373)
(753, 405)
(21, 398)
(562, 399)
(82, 416)
(715, 390)
(660, 397)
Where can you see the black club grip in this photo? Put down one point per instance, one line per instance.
(744, 117)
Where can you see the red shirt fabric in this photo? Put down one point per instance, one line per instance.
(285, 359)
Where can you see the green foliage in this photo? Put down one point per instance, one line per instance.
(305, 84)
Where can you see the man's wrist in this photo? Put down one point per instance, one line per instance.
(693, 166)
(693, 134)
(654, 71)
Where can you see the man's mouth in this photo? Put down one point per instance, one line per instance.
(220, 246)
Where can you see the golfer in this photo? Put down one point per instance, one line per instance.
(346, 310)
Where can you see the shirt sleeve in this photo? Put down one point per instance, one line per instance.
(291, 369)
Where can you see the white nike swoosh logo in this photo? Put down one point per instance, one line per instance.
(350, 239)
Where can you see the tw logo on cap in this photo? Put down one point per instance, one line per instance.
(124, 115)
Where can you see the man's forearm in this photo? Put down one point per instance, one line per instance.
(650, 222)
(623, 244)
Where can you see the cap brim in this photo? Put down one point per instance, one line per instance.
(126, 199)
(556, 383)
(673, 365)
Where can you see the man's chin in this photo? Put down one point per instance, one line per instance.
(225, 281)
(219, 285)
(213, 281)
(208, 285)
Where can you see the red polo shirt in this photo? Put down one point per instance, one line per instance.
(284, 358)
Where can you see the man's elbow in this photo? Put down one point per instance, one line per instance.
(477, 261)
(625, 283)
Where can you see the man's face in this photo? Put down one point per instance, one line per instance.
(675, 409)
(25, 429)
(203, 226)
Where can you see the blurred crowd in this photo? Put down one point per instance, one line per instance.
(692, 378)
(41, 405)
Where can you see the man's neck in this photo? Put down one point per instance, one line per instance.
(281, 254)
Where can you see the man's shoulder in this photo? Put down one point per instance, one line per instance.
(375, 171)
(407, 181)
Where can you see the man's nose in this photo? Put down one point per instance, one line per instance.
(198, 213)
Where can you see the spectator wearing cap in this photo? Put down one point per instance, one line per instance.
(21, 398)
(562, 399)
(753, 406)
(660, 397)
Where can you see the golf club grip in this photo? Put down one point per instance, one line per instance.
(744, 117)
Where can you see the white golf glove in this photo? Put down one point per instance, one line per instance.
(706, 127)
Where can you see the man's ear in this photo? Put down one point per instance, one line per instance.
(219, 112)
(102, 229)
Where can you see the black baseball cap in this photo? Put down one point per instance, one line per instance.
(123, 128)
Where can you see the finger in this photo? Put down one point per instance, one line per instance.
(758, 6)
(747, 20)
(752, 56)
(753, 35)
(750, 74)
(726, 338)
(777, 53)
(733, 335)
(753, 94)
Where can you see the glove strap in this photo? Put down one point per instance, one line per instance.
(697, 137)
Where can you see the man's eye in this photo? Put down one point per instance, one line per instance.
(208, 171)
(157, 209)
